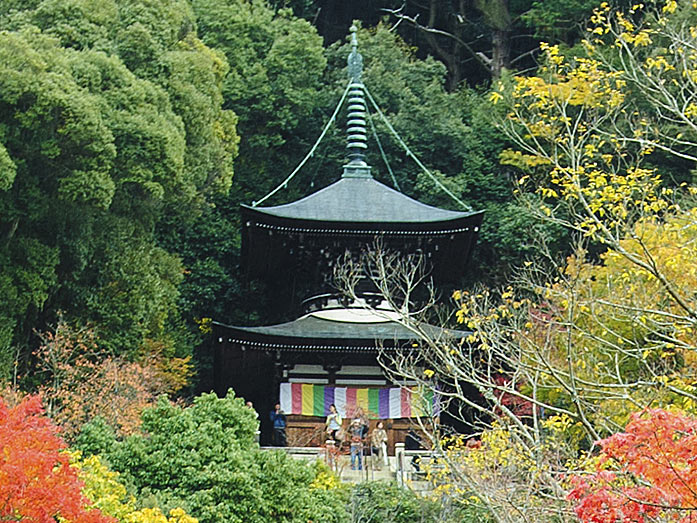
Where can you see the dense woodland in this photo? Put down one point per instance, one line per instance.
(156, 120)
(130, 132)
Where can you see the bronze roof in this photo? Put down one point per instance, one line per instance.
(360, 200)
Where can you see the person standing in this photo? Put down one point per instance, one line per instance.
(365, 426)
(356, 434)
(413, 442)
(278, 419)
(333, 422)
(379, 443)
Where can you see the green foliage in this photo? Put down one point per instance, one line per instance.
(27, 272)
(562, 20)
(59, 128)
(194, 79)
(558, 18)
(129, 306)
(276, 65)
(8, 169)
(96, 437)
(204, 459)
(274, 83)
(111, 117)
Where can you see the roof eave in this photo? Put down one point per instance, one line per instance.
(253, 338)
(259, 215)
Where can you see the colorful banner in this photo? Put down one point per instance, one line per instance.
(378, 403)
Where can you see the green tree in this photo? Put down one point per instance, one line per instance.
(276, 66)
(112, 119)
(50, 125)
(274, 82)
(381, 502)
(562, 20)
(204, 459)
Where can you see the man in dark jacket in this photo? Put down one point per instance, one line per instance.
(278, 419)
(413, 442)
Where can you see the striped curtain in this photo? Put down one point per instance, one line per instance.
(378, 403)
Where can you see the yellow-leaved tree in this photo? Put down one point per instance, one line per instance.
(605, 144)
(103, 489)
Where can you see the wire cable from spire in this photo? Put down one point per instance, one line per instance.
(312, 151)
(382, 151)
(413, 156)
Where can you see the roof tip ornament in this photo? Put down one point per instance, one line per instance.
(356, 133)
(355, 60)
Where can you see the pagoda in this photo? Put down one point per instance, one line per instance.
(329, 352)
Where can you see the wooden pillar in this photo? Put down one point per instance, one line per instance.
(331, 373)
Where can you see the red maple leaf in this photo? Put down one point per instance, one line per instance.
(37, 483)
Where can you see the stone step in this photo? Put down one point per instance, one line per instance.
(342, 467)
(357, 476)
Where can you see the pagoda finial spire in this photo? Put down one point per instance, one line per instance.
(356, 130)
(355, 60)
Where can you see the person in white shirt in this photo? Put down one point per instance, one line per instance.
(333, 422)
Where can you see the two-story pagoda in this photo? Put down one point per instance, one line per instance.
(329, 354)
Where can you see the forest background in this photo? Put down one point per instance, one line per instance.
(131, 131)
(122, 124)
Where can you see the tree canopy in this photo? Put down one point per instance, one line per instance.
(112, 120)
(37, 483)
(212, 467)
(122, 123)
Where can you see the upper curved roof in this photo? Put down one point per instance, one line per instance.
(360, 200)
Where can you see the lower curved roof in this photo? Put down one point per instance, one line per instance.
(314, 332)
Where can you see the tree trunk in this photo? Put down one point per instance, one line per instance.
(498, 18)
(500, 52)
(10, 232)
